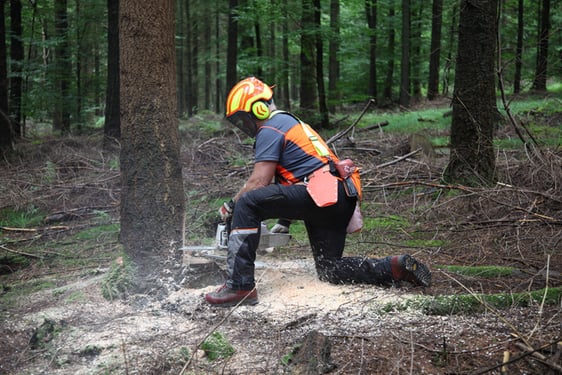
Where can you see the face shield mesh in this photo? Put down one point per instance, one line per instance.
(244, 122)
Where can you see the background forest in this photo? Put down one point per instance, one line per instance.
(59, 59)
(116, 157)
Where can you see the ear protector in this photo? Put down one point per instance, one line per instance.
(260, 110)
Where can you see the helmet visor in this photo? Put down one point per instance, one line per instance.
(245, 122)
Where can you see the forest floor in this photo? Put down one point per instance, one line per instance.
(495, 255)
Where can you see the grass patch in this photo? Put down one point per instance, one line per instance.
(480, 271)
(94, 233)
(119, 280)
(217, 346)
(476, 303)
(388, 222)
(21, 218)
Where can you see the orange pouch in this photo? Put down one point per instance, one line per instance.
(323, 187)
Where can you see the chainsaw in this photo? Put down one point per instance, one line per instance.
(268, 241)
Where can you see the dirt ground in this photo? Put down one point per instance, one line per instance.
(70, 328)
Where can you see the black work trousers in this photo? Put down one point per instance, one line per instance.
(326, 228)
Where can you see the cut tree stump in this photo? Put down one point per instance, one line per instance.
(313, 356)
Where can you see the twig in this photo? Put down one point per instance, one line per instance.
(20, 252)
(398, 159)
(352, 126)
(513, 360)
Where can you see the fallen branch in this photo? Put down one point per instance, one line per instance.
(352, 126)
(20, 253)
(398, 159)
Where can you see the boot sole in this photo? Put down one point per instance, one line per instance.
(246, 302)
(418, 270)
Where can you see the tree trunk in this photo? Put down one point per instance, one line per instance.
(542, 53)
(308, 82)
(322, 106)
(16, 64)
(519, 48)
(435, 52)
(6, 134)
(333, 50)
(405, 61)
(388, 81)
(112, 126)
(232, 47)
(285, 91)
(61, 115)
(371, 12)
(152, 195)
(472, 160)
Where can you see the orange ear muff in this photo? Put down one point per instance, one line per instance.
(260, 110)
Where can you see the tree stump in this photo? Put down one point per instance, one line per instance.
(313, 356)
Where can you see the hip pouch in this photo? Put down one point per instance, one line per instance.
(323, 187)
(350, 174)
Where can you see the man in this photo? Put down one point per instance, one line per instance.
(306, 186)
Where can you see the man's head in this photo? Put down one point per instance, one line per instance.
(248, 104)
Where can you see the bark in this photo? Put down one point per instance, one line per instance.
(472, 160)
(371, 12)
(61, 114)
(435, 52)
(232, 46)
(307, 73)
(322, 106)
(152, 196)
(388, 81)
(333, 50)
(112, 126)
(519, 48)
(542, 53)
(16, 56)
(6, 134)
(405, 64)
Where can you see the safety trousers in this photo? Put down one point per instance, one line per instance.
(326, 228)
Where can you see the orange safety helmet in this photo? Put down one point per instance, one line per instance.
(246, 103)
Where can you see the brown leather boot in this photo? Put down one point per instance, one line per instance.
(225, 297)
(407, 268)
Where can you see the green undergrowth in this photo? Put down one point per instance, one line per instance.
(120, 278)
(479, 271)
(476, 303)
(217, 346)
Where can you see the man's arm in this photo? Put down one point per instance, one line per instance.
(261, 176)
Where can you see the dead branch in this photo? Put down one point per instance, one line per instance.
(352, 126)
(20, 253)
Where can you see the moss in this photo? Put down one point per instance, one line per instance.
(217, 346)
(480, 271)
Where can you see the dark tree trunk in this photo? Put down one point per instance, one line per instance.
(112, 126)
(519, 48)
(308, 75)
(388, 81)
(232, 47)
(6, 134)
(371, 12)
(405, 60)
(542, 53)
(472, 160)
(286, 94)
(61, 115)
(16, 56)
(415, 47)
(333, 50)
(322, 106)
(435, 52)
(152, 196)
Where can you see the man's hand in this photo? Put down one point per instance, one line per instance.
(225, 211)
